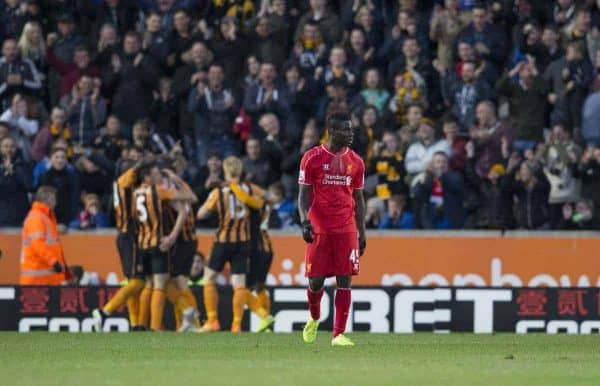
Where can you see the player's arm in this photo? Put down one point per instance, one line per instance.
(253, 201)
(185, 193)
(168, 241)
(358, 183)
(303, 207)
(209, 205)
(305, 181)
(359, 215)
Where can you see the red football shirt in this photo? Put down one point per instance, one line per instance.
(333, 178)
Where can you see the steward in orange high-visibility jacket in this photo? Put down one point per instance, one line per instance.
(42, 259)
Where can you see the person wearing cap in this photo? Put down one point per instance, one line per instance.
(42, 257)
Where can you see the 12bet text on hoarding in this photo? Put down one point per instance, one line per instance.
(374, 309)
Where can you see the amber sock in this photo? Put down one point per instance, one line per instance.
(133, 307)
(133, 288)
(144, 313)
(190, 299)
(173, 295)
(240, 298)
(157, 309)
(211, 301)
(253, 304)
(264, 300)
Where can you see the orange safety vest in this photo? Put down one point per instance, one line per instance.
(40, 248)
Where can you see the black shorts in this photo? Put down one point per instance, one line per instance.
(126, 248)
(183, 257)
(260, 265)
(151, 261)
(234, 253)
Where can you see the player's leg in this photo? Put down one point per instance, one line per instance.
(173, 296)
(216, 262)
(239, 267)
(160, 279)
(126, 249)
(133, 288)
(144, 311)
(186, 305)
(346, 264)
(318, 266)
(343, 299)
(263, 268)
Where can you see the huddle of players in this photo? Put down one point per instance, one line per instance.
(156, 242)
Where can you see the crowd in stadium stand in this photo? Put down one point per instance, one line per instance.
(475, 115)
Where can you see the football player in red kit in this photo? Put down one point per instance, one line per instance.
(332, 211)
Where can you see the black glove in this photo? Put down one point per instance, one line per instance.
(57, 267)
(362, 245)
(307, 231)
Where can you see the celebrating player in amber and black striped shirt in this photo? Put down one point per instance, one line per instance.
(232, 203)
(151, 243)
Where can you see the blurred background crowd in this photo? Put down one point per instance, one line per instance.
(468, 114)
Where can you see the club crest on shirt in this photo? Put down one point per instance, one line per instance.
(349, 169)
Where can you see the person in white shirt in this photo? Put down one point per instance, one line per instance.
(420, 153)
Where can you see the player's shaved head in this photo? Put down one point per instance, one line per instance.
(340, 130)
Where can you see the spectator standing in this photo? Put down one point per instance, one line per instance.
(17, 75)
(527, 100)
(588, 171)
(487, 39)
(559, 156)
(530, 188)
(130, 80)
(256, 166)
(439, 196)
(463, 95)
(85, 109)
(420, 153)
(214, 108)
(66, 183)
(329, 24)
(388, 167)
(15, 183)
(266, 96)
(71, 71)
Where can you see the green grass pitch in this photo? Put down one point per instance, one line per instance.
(152, 359)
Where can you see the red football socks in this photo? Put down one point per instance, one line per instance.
(342, 307)
(314, 303)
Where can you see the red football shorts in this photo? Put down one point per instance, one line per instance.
(332, 255)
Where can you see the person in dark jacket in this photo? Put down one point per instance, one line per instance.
(439, 196)
(463, 94)
(66, 183)
(130, 80)
(186, 78)
(579, 217)
(487, 201)
(214, 108)
(17, 76)
(266, 96)
(227, 43)
(530, 188)
(588, 171)
(489, 41)
(15, 182)
(527, 99)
